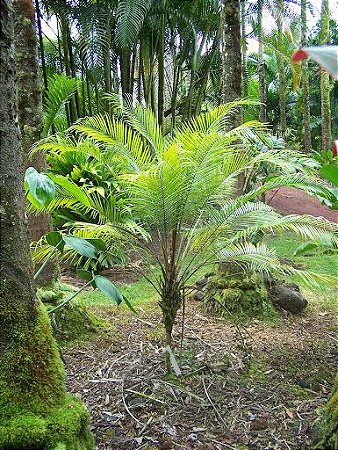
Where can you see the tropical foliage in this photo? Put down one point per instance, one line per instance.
(181, 192)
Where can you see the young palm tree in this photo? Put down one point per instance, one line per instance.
(182, 191)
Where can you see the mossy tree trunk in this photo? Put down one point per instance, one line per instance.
(325, 80)
(30, 112)
(35, 411)
(329, 422)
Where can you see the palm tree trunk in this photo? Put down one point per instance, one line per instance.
(160, 59)
(33, 399)
(245, 75)
(42, 51)
(232, 65)
(281, 73)
(305, 83)
(174, 96)
(261, 67)
(125, 71)
(325, 80)
(231, 55)
(65, 44)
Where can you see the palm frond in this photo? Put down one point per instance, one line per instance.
(108, 132)
(130, 18)
(60, 89)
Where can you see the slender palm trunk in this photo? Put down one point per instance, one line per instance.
(305, 83)
(325, 80)
(261, 66)
(65, 45)
(174, 96)
(42, 51)
(281, 73)
(125, 71)
(231, 55)
(160, 59)
(245, 76)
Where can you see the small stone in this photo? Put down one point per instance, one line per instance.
(201, 282)
(198, 296)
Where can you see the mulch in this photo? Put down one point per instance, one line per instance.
(251, 387)
(258, 385)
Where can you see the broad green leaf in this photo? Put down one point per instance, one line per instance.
(55, 239)
(32, 200)
(80, 245)
(330, 172)
(40, 186)
(305, 247)
(108, 288)
(99, 244)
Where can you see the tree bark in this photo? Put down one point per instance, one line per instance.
(245, 76)
(231, 55)
(305, 83)
(281, 73)
(35, 411)
(325, 80)
(261, 67)
(30, 112)
(232, 65)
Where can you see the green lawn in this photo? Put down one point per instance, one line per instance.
(142, 293)
(286, 245)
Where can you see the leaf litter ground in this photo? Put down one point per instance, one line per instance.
(256, 386)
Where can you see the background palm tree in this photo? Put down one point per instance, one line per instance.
(305, 82)
(325, 80)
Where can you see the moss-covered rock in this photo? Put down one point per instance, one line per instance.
(235, 291)
(329, 423)
(74, 320)
(35, 410)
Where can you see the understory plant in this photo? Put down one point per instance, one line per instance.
(182, 195)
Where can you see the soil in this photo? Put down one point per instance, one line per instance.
(257, 386)
(294, 201)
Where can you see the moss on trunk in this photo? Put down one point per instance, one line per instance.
(329, 422)
(35, 410)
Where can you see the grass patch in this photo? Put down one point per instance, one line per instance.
(326, 264)
(139, 293)
(285, 246)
